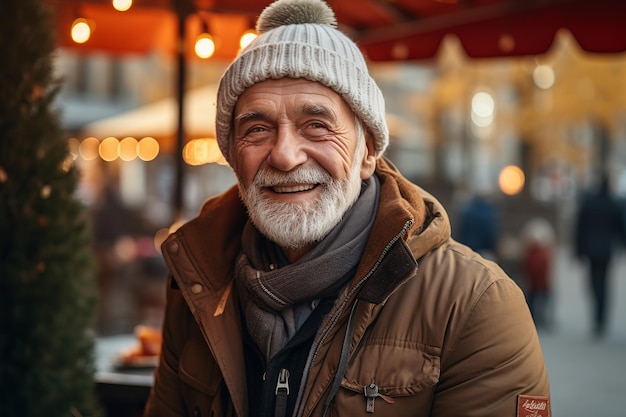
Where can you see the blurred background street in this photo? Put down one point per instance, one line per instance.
(587, 375)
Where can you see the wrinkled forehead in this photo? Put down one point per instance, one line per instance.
(308, 96)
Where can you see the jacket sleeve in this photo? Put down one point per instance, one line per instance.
(496, 360)
(165, 396)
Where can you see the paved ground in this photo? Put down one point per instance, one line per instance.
(587, 376)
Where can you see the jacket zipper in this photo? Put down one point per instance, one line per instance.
(282, 392)
(324, 333)
(371, 392)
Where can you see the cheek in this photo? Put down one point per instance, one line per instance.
(337, 168)
(247, 166)
(336, 160)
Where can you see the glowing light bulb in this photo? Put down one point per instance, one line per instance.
(205, 47)
(109, 149)
(147, 149)
(247, 37)
(122, 5)
(81, 32)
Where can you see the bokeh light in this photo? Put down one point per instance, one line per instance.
(148, 148)
(205, 47)
(483, 108)
(128, 149)
(247, 37)
(201, 151)
(122, 5)
(511, 180)
(81, 31)
(543, 76)
(88, 149)
(109, 149)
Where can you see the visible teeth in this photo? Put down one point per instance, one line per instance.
(293, 188)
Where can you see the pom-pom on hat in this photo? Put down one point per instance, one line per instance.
(300, 39)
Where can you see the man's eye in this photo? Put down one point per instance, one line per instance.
(253, 134)
(256, 129)
(317, 129)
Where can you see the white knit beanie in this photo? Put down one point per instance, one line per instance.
(299, 39)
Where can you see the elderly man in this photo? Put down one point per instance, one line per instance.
(325, 283)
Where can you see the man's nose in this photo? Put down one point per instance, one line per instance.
(287, 152)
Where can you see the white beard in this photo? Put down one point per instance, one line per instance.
(296, 225)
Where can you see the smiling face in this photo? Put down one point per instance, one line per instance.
(300, 157)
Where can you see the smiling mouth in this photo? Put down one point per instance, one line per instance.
(282, 189)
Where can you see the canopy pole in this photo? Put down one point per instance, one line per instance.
(179, 173)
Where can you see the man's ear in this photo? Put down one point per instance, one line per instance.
(369, 158)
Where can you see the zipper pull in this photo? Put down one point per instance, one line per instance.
(282, 391)
(371, 392)
(283, 382)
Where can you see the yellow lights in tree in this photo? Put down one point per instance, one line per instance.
(81, 31)
(511, 180)
(483, 108)
(122, 5)
(205, 47)
(543, 76)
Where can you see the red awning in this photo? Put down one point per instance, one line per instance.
(398, 30)
(503, 28)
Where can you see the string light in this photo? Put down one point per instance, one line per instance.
(81, 31)
(128, 149)
(201, 151)
(247, 37)
(109, 149)
(147, 148)
(122, 5)
(88, 149)
(204, 47)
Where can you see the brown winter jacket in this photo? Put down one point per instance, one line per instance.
(440, 331)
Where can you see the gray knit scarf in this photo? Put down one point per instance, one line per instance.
(277, 297)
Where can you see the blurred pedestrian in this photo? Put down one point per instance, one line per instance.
(537, 256)
(599, 226)
(479, 227)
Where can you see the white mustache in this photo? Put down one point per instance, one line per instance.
(300, 176)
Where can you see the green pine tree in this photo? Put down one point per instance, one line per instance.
(47, 272)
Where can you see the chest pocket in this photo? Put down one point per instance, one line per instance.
(403, 375)
(200, 380)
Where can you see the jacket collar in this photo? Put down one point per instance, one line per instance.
(407, 216)
(410, 222)
(213, 238)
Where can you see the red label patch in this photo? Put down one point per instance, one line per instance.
(533, 406)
